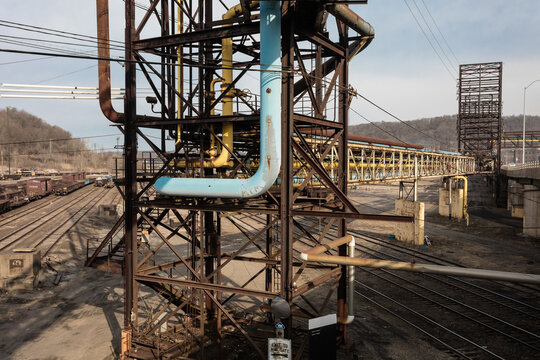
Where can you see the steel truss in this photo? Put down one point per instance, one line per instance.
(479, 116)
(179, 254)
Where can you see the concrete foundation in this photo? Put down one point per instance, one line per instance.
(457, 203)
(107, 211)
(19, 269)
(410, 232)
(515, 198)
(531, 211)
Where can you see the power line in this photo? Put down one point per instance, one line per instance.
(433, 34)
(440, 32)
(429, 41)
(66, 152)
(377, 126)
(23, 61)
(48, 30)
(88, 57)
(65, 139)
(401, 121)
(66, 74)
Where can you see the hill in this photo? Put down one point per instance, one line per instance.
(438, 133)
(26, 141)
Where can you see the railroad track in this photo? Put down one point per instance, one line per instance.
(471, 319)
(32, 207)
(48, 242)
(15, 236)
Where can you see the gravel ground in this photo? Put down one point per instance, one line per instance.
(81, 318)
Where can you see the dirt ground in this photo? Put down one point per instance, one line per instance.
(81, 317)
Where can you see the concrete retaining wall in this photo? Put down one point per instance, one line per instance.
(410, 232)
(457, 203)
(19, 269)
(515, 198)
(531, 211)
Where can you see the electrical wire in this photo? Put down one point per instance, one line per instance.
(440, 32)
(64, 75)
(434, 37)
(61, 33)
(67, 152)
(64, 139)
(401, 121)
(429, 41)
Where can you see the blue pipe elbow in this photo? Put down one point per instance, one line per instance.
(270, 120)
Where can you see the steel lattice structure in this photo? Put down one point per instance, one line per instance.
(178, 254)
(480, 112)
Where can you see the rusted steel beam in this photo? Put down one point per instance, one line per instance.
(305, 119)
(245, 284)
(309, 81)
(206, 35)
(169, 245)
(309, 156)
(205, 286)
(209, 207)
(359, 216)
(326, 43)
(236, 324)
(317, 281)
(329, 147)
(217, 119)
(105, 241)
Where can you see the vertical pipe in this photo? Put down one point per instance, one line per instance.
(286, 199)
(180, 71)
(350, 283)
(130, 141)
(343, 118)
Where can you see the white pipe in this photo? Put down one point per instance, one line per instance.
(350, 285)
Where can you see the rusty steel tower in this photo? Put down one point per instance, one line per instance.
(479, 122)
(219, 209)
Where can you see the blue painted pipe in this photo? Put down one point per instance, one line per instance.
(270, 118)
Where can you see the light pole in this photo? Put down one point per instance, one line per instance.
(523, 148)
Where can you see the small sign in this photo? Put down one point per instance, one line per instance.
(279, 349)
(16, 264)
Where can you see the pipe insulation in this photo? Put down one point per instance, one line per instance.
(270, 125)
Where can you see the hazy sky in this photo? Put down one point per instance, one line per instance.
(399, 70)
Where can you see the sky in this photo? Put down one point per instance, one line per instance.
(399, 70)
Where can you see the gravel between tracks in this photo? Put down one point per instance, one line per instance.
(79, 318)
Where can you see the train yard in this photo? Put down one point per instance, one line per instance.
(444, 317)
(43, 223)
(250, 219)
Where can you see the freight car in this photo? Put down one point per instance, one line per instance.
(21, 192)
(14, 194)
(38, 188)
(71, 182)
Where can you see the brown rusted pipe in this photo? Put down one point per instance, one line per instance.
(351, 19)
(104, 66)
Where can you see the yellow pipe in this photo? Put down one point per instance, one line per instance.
(212, 152)
(227, 75)
(465, 213)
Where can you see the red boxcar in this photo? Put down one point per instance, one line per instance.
(69, 178)
(37, 188)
